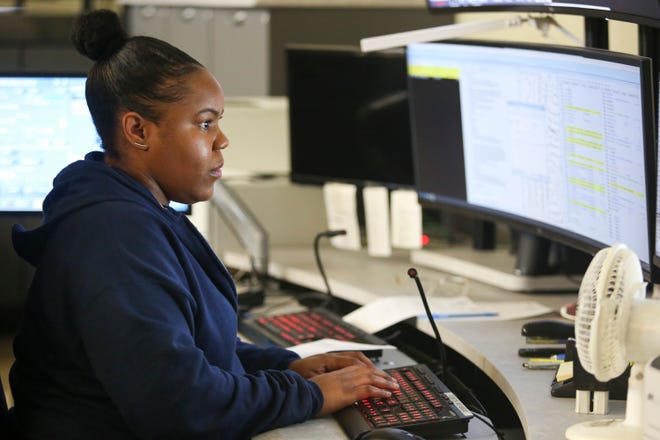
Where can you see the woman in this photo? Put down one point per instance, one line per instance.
(130, 325)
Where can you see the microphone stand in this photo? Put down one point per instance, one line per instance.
(412, 273)
(451, 380)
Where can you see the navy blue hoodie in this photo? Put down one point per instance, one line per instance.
(130, 326)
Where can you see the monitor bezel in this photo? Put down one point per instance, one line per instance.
(35, 74)
(655, 252)
(587, 10)
(543, 230)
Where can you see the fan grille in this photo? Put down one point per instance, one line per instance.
(604, 306)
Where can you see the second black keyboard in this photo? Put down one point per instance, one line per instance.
(288, 329)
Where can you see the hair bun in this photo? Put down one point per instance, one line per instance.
(98, 34)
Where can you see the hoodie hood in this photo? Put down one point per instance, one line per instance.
(81, 184)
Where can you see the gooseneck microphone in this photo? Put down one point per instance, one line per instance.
(412, 273)
(325, 234)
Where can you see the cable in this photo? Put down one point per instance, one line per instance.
(333, 233)
(457, 385)
(451, 380)
(499, 434)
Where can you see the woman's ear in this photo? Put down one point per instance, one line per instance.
(134, 130)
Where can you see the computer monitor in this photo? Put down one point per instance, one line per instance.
(636, 11)
(349, 116)
(551, 140)
(244, 224)
(252, 235)
(44, 126)
(656, 212)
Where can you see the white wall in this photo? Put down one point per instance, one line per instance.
(258, 132)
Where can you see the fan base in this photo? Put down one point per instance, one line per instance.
(604, 429)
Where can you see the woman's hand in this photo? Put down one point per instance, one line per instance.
(344, 377)
(323, 363)
(344, 386)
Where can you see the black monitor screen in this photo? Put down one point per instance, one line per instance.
(349, 116)
(656, 253)
(636, 11)
(44, 126)
(555, 141)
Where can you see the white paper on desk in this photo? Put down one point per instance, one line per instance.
(514, 309)
(388, 311)
(326, 345)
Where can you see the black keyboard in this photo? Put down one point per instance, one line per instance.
(288, 329)
(423, 405)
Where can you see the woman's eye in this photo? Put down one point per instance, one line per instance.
(206, 125)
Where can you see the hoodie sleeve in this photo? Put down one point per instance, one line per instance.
(164, 386)
(256, 358)
(138, 331)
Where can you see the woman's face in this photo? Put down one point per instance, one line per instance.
(185, 149)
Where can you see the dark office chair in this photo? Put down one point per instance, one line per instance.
(4, 414)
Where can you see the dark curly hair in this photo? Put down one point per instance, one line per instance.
(129, 73)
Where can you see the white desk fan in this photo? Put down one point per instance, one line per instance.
(614, 326)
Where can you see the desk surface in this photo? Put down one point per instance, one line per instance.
(490, 345)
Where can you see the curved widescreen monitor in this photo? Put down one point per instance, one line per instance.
(636, 11)
(551, 140)
(44, 126)
(656, 253)
(349, 116)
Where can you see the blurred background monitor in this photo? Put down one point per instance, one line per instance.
(636, 11)
(656, 211)
(349, 116)
(557, 142)
(44, 126)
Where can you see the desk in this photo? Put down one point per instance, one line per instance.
(491, 346)
(327, 428)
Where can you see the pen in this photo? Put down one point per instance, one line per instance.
(461, 315)
(540, 340)
(556, 359)
(540, 351)
(541, 365)
(544, 363)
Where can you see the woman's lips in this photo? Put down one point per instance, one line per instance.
(217, 172)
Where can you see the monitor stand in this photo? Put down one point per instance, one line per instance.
(495, 267)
